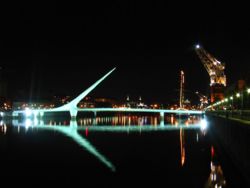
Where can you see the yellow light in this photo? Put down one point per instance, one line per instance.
(248, 90)
(231, 98)
(237, 95)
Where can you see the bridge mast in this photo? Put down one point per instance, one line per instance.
(215, 70)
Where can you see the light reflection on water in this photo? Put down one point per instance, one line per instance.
(126, 124)
(78, 130)
(125, 120)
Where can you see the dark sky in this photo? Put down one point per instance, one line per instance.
(51, 49)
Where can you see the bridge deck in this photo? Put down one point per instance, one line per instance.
(139, 110)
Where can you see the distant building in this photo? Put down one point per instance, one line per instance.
(89, 102)
(32, 105)
(105, 102)
(135, 104)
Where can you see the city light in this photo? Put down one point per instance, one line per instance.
(231, 98)
(203, 124)
(28, 123)
(197, 46)
(237, 95)
(28, 112)
(248, 90)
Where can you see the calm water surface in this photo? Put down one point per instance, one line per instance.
(119, 151)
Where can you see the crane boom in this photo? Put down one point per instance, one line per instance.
(214, 67)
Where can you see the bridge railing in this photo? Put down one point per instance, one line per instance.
(236, 114)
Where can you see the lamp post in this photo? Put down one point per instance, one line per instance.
(238, 96)
(242, 100)
(232, 103)
(248, 93)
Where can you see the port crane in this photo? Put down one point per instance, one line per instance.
(203, 100)
(216, 73)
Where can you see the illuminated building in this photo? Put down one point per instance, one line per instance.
(135, 104)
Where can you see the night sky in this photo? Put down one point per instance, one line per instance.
(61, 49)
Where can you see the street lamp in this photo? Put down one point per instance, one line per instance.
(248, 92)
(237, 96)
(232, 104)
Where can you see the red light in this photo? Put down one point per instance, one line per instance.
(86, 131)
(212, 151)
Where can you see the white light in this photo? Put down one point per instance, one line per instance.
(28, 123)
(1, 114)
(203, 124)
(248, 90)
(35, 113)
(238, 95)
(35, 121)
(28, 112)
(197, 46)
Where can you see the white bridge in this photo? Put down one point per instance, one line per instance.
(72, 108)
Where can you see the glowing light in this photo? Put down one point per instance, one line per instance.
(215, 177)
(28, 112)
(28, 123)
(35, 121)
(231, 98)
(1, 114)
(248, 90)
(35, 113)
(203, 124)
(4, 129)
(226, 99)
(237, 95)
(86, 131)
(197, 46)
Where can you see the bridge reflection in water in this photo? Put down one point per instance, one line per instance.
(74, 128)
(108, 139)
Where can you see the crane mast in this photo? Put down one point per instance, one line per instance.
(215, 70)
(182, 78)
